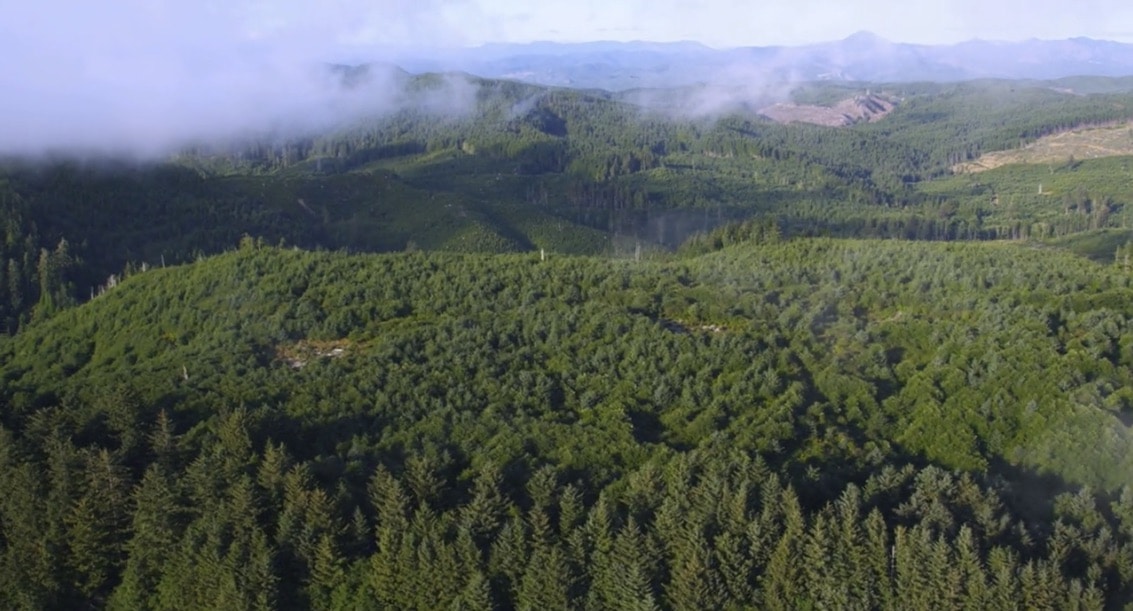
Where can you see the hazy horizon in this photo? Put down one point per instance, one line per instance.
(149, 74)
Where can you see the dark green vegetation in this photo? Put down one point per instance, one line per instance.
(792, 424)
(506, 167)
(690, 402)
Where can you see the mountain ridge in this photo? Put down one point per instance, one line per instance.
(862, 56)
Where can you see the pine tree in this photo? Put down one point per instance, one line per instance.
(98, 527)
(1004, 590)
(258, 573)
(48, 276)
(765, 532)
(15, 290)
(389, 503)
(735, 569)
(971, 571)
(30, 565)
(782, 583)
(158, 522)
(234, 444)
(476, 595)
(509, 556)
(420, 474)
(692, 583)
(65, 476)
(821, 584)
(542, 487)
(628, 580)
(598, 543)
(850, 564)
(912, 549)
(878, 553)
(571, 510)
(484, 514)
(943, 576)
(547, 582)
(327, 570)
(428, 581)
(272, 473)
(163, 442)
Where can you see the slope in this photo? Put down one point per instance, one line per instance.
(1057, 149)
(293, 429)
(856, 345)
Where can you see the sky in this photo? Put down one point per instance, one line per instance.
(718, 23)
(150, 71)
(57, 28)
(730, 23)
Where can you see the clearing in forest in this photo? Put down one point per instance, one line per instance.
(1063, 147)
(859, 109)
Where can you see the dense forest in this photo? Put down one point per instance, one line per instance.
(523, 167)
(562, 351)
(779, 424)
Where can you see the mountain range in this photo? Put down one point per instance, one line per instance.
(864, 56)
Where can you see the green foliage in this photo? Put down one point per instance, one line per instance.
(736, 428)
(529, 168)
(756, 421)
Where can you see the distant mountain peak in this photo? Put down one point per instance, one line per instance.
(865, 37)
(861, 56)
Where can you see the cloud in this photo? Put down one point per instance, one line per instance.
(147, 75)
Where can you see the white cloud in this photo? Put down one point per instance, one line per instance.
(151, 71)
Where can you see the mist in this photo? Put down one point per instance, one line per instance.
(143, 79)
(147, 109)
(737, 87)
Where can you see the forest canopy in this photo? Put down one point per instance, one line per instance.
(567, 352)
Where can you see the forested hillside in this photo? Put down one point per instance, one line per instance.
(515, 167)
(538, 348)
(808, 422)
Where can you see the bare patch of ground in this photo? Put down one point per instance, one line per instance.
(297, 355)
(1063, 147)
(858, 109)
(681, 326)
